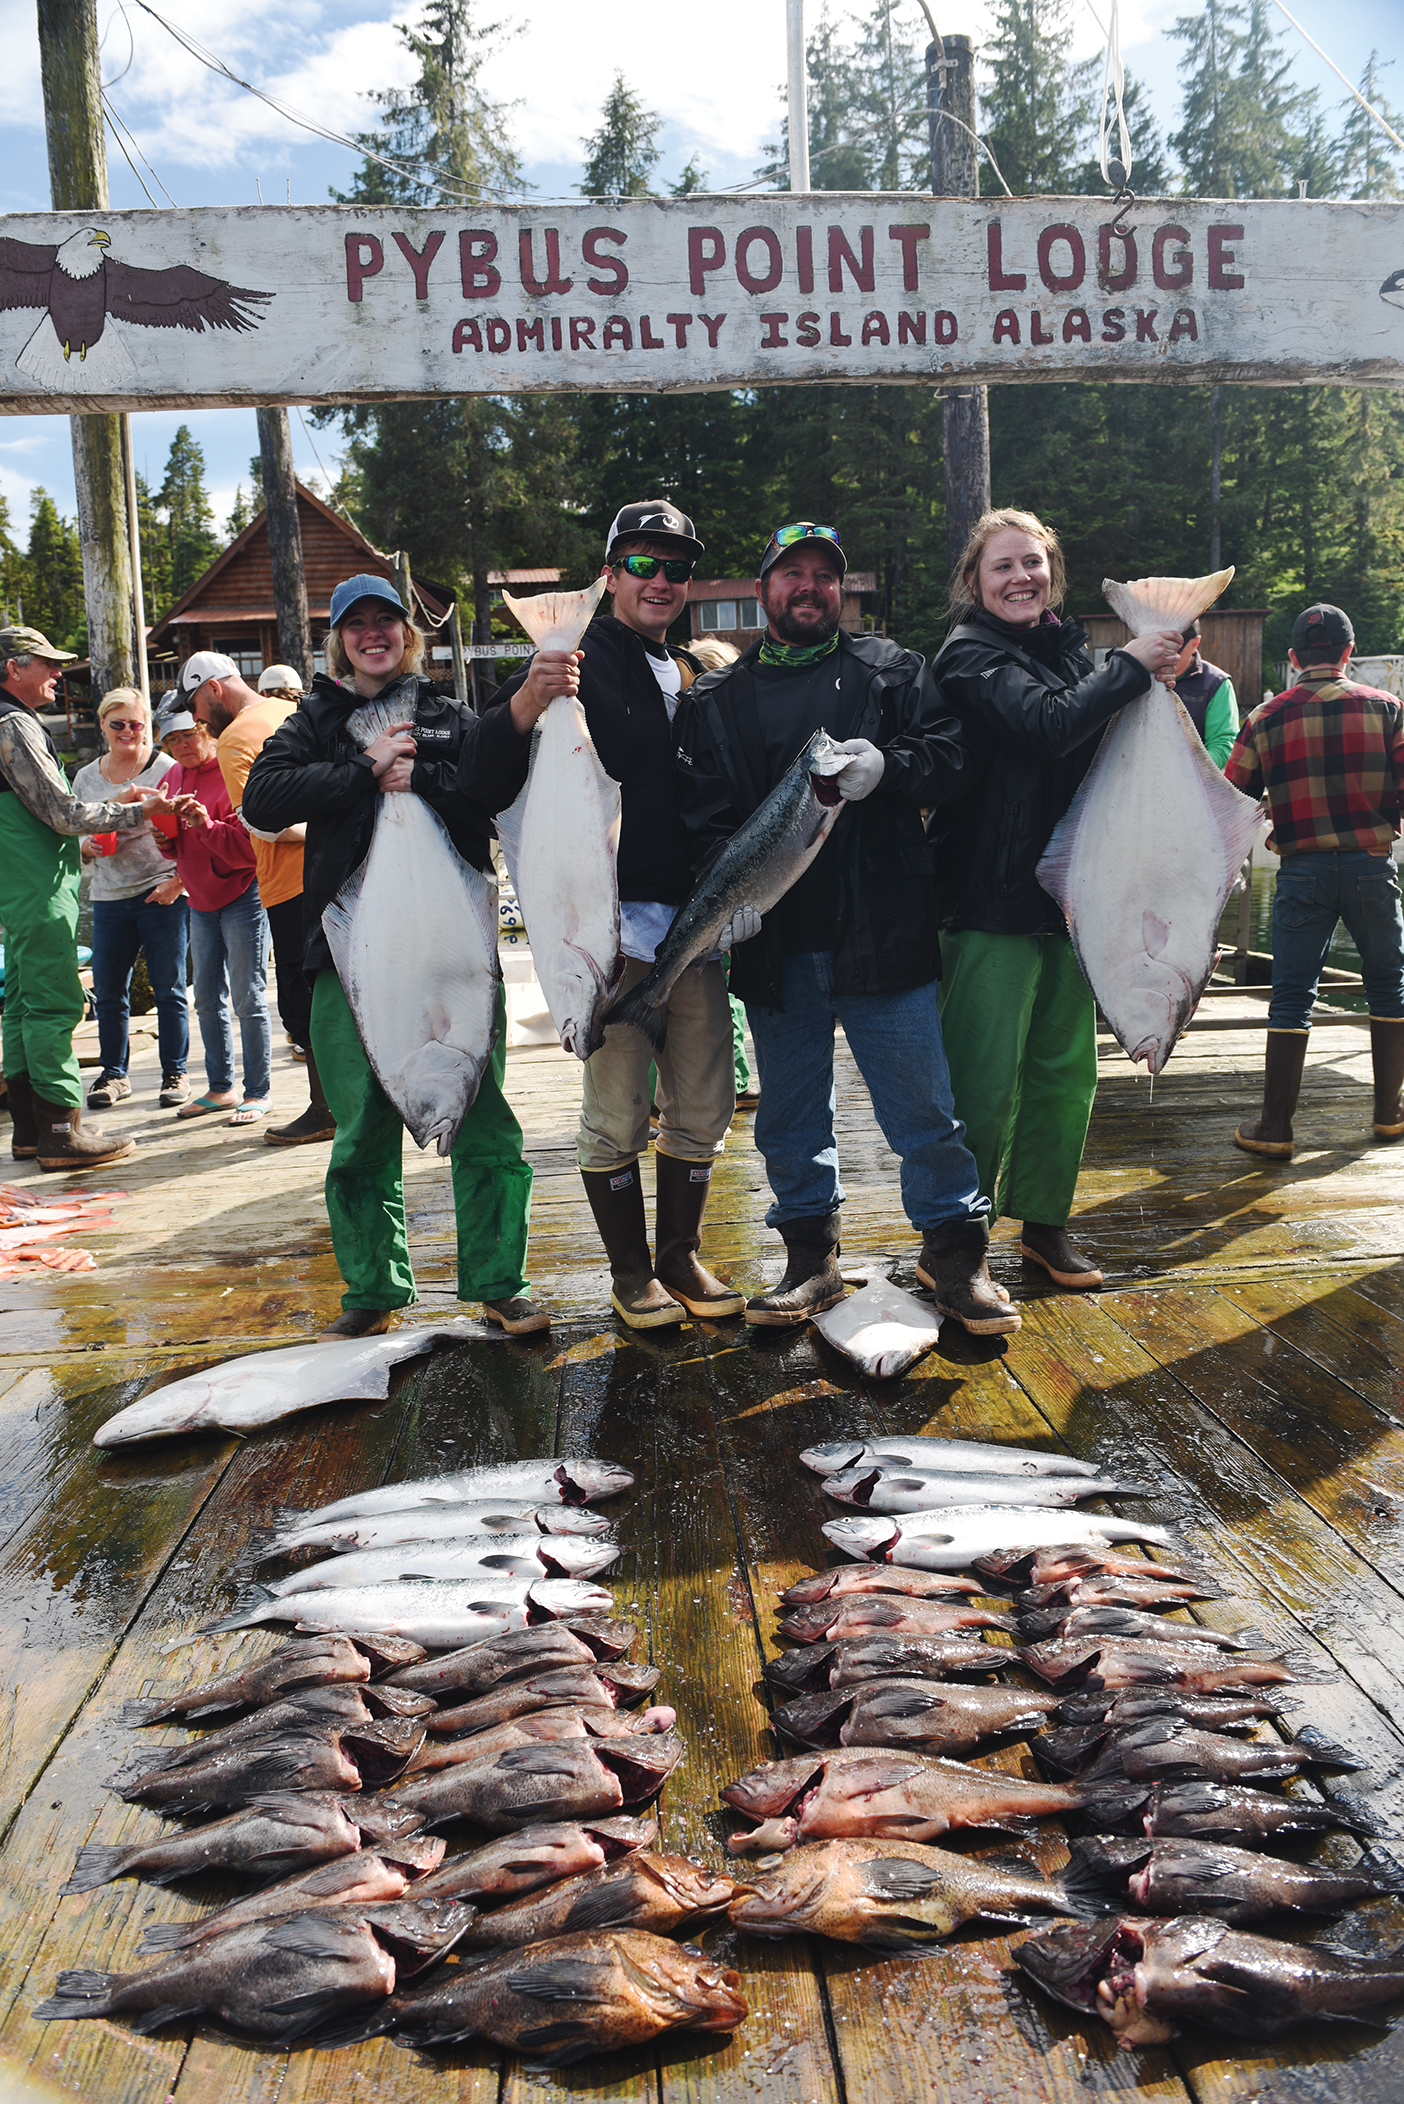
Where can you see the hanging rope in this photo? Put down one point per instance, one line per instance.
(1115, 167)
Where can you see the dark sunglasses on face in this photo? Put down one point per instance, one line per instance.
(677, 570)
(804, 530)
(124, 723)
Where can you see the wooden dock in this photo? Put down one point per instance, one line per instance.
(1245, 1359)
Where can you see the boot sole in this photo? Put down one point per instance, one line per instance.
(1382, 1132)
(710, 1310)
(647, 1318)
(299, 1139)
(1275, 1150)
(22, 1153)
(784, 1319)
(1071, 1281)
(76, 1164)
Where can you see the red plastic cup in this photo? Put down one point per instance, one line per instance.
(166, 823)
(103, 843)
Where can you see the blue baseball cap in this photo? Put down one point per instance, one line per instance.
(364, 587)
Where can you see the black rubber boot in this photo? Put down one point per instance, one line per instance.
(616, 1200)
(357, 1322)
(1271, 1134)
(1387, 1055)
(682, 1200)
(24, 1134)
(812, 1280)
(952, 1263)
(1054, 1251)
(315, 1123)
(65, 1142)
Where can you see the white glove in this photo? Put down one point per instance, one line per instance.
(863, 771)
(744, 923)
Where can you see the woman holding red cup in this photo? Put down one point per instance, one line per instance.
(138, 905)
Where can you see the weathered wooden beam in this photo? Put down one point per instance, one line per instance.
(965, 411)
(68, 62)
(285, 542)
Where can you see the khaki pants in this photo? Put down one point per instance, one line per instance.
(696, 1078)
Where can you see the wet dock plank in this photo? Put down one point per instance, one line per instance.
(1245, 1361)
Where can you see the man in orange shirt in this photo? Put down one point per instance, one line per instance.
(212, 687)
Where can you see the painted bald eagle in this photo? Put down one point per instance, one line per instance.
(1393, 289)
(90, 299)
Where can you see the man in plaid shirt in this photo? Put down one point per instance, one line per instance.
(1329, 756)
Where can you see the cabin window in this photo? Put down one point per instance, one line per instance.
(247, 656)
(715, 614)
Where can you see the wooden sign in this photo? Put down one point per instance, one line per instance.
(144, 310)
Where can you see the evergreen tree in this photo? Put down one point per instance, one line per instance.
(623, 153)
(1213, 41)
(1369, 161)
(690, 181)
(1037, 105)
(188, 519)
(11, 567)
(1150, 169)
(240, 514)
(1272, 110)
(53, 572)
(1246, 129)
(890, 79)
(155, 554)
(448, 140)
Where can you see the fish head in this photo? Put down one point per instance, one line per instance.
(178, 1407)
(777, 1902)
(773, 1787)
(681, 1987)
(824, 761)
(837, 1455)
(582, 991)
(872, 1537)
(581, 1480)
(1092, 1967)
(434, 1090)
(853, 1486)
(565, 1596)
(690, 1885)
(575, 1555)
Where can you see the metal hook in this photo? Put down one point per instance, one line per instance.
(1121, 205)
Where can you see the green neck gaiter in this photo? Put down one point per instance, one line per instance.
(794, 657)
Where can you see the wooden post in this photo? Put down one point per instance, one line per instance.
(460, 665)
(965, 411)
(68, 64)
(285, 542)
(134, 552)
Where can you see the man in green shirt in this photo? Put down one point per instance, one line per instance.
(1207, 692)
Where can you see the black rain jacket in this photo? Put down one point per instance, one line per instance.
(885, 939)
(1030, 708)
(628, 722)
(312, 769)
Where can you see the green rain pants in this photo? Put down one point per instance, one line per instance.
(44, 1001)
(365, 1181)
(1020, 1029)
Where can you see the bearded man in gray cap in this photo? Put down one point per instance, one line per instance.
(632, 685)
(40, 821)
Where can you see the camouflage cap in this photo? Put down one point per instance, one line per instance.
(17, 641)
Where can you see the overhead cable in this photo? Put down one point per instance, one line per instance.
(1388, 130)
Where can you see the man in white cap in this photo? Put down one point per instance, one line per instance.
(40, 821)
(631, 684)
(241, 722)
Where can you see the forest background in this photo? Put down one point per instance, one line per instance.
(1311, 499)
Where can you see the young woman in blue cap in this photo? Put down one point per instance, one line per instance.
(313, 770)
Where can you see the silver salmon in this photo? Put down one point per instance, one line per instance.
(546, 1480)
(758, 865)
(969, 1457)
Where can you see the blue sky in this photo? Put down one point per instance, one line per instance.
(715, 71)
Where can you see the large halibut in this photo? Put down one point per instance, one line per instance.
(413, 934)
(1143, 859)
(561, 838)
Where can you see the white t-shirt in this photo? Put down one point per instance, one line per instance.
(644, 923)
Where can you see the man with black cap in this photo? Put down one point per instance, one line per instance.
(40, 821)
(854, 942)
(631, 683)
(1328, 755)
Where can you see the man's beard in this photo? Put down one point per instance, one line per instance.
(218, 719)
(808, 624)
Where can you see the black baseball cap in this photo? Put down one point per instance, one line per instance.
(1322, 628)
(656, 520)
(784, 538)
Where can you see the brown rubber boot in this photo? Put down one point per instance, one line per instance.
(812, 1280)
(952, 1263)
(682, 1200)
(1387, 1055)
(357, 1322)
(315, 1123)
(616, 1200)
(65, 1142)
(24, 1134)
(1271, 1134)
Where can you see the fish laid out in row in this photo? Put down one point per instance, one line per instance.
(333, 1757)
(1146, 1727)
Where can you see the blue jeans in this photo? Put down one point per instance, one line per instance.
(230, 953)
(1314, 891)
(121, 928)
(896, 1041)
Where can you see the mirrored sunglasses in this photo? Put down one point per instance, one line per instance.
(805, 530)
(676, 569)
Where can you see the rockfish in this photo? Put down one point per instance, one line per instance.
(1143, 859)
(953, 1536)
(306, 1662)
(758, 865)
(665, 1894)
(562, 2000)
(565, 1720)
(309, 1760)
(1125, 1662)
(1205, 1811)
(570, 1779)
(522, 1862)
(884, 1658)
(908, 1796)
(846, 1579)
(561, 838)
(1166, 1749)
(266, 1386)
(352, 1881)
(1146, 1978)
(918, 1715)
(1060, 1562)
(1233, 1884)
(268, 1838)
(869, 1614)
(580, 1640)
(413, 935)
(596, 1686)
(893, 1896)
